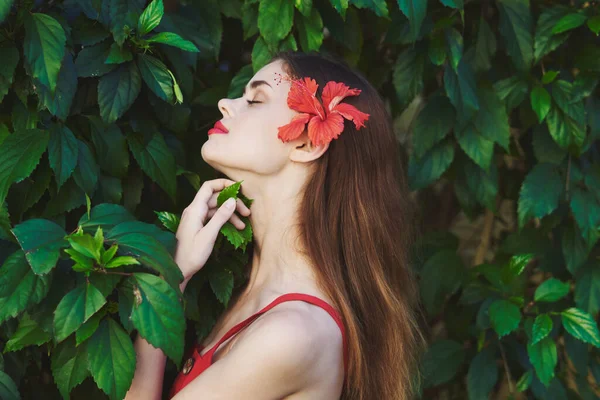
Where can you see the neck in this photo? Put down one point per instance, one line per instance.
(278, 264)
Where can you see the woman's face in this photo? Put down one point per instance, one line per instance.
(252, 143)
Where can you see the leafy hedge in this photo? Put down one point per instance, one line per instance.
(508, 266)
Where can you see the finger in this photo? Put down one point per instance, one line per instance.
(240, 206)
(208, 188)
(196, 214)
(235, 220)
(221, 216)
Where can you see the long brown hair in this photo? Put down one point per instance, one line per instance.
(357, 225)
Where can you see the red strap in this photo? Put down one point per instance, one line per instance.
(287, 297)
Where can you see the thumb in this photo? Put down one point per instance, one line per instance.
(221, 216)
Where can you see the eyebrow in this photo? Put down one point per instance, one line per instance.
(255, 84)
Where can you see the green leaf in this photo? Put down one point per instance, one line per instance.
(8, 388)
(167, 239)
(594, 24)
(5, 7)
(491, 121)
(516, 26)
(153, 254)
(408, 74)
(104, 215)
(477, 147)
(124, 15)
(90, 60)
(118, 90)
(540, 102)
(545, 40)
(110, 146)
(28, 334)
(20, 287)
(10, 58)
(568, 22)
(505, 316)
(575, 249)
(436, 49)
(310, 31)
(108, 254)
(543, 356)
(304, 6)
(150, 17)
(551, 290)
(41, 241)
(454, 41)
(434, 292)
(111, 359)
(158, 314)
(485, 47)
(176, 89)
(63, 151)
(19, 155)
(156, 75)
(541, 328)
(156, 160)
(483, 374)
(379, 7)
(169, 220)
(89, 327)
(275, 19)
(118, 55)
(415, 11)
(433, 124)
(586, 210)
(340, 6)
(69, 365)
(549, 77)
(85, 245)
(173, 39)
(482, 184)
(587, 289)
(260, 54)
(453, 3)
(512, 91)
(431, 166)
(540, 193)
(44, 47)
(441, 362)
(123, 260)
(59, 102)
(75, 308)
(87, 170)
(461, 90)
(581, 325)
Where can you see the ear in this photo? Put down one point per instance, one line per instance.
(305, 151)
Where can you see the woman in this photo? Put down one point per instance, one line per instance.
(328, 311)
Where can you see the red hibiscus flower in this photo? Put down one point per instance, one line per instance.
(326, 121)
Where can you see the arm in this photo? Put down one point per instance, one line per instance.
(276, 358)
(149, 370)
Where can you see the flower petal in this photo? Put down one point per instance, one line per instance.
(350, 112)
(294, 129)
(334, 92)
(301, 97)
(324, 131)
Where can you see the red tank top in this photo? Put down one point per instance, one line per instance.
(197, 363)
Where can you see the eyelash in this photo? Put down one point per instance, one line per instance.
(250, 102)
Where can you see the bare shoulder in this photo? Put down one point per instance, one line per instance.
(292, 349)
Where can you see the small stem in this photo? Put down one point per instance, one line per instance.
(104, 271)
(508, 374)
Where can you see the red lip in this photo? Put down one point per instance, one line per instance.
(218, 128)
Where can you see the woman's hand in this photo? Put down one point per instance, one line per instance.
(195, 239)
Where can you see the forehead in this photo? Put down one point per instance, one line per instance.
(272, 73)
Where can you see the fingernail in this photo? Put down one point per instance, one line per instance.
(230, 203)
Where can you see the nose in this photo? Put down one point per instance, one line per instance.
(225, 107)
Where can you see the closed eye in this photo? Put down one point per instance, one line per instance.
(250, 102)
